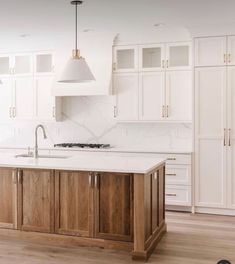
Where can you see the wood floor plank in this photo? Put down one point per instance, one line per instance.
(191, 239)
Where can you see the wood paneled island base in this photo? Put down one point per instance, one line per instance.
(112, 210)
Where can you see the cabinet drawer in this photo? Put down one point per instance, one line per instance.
(178, 195)
(178, 174)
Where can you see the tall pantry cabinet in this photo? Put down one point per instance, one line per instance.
(215, 122)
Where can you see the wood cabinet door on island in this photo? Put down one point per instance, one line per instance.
(8, 185)
(114, 206)
(36, 200)
(73, 203)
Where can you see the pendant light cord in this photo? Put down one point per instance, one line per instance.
(76, 27)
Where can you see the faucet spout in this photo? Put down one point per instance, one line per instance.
(36, 139)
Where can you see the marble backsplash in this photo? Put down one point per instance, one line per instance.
(90, 120)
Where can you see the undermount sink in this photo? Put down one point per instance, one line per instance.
(42, 156)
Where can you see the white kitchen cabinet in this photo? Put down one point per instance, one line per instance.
(125, 58)
(210, 137)
(178, 56)
(152, 96)
(178, 106)
(231, 50)
(126, 90)
(211, 51)
(152, 57)
(6, 98)
(27, 84)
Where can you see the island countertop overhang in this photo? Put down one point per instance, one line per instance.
(111, 163)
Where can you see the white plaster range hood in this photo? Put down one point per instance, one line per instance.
(96, 47)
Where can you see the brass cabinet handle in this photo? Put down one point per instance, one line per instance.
(163, 64)
(10, 112)
(167, 111)
(167, 63)
(229, 58)
(171, 174)
(225, 135)
(171, 194)
(229, 137)
(13, 112)
(171, 159)
(225, 58)
(163, 111)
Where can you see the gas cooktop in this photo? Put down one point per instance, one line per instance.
(81, 145)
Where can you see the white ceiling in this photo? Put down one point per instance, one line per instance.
(57, 16)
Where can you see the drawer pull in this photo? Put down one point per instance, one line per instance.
(171, 159)
(171, 194)
(171, 174)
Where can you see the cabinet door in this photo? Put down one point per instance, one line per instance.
(45, 102)
(231, 50)
(231, 137)
(74, 203)
(23, 98)
(152, 96)
(23, 64)
(44, 63)
(8, 187)
(125, 59)
(210, 149)
(36, 201)
(5, 65)
(178, 56)
(126, 91)
(6, 99)
(210, 51)
(179, 96)
(151, 57)
(114, 206)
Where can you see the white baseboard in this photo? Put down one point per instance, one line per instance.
(216, 211)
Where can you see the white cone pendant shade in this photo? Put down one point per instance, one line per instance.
(76, 71)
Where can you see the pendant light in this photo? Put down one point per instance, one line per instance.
(76, 70)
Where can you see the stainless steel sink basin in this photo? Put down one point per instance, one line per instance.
(42, 156)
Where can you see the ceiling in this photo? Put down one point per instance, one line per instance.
(57, 16)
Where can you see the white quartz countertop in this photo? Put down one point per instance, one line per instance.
(141, 165)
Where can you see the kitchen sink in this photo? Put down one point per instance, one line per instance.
(41, 156)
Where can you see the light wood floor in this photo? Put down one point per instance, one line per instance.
(191, 239)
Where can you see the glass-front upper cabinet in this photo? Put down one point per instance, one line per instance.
(151, 57)
(23, 64)
(44, 63)
(178, 56)
(125, 58)
(5, 65)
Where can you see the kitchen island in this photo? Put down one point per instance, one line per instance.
(110, 202)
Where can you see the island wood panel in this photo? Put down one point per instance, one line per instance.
(114, 206)
(8, 185)
(74, 203)
(155, 200)
(36, 200)
(161, 200)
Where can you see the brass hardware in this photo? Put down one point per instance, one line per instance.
(76, 54)
(114, 66)
(171, 194)
(171, 159)
(225, 135)
(10, 112)
(225, 58)
(229, 137)
(163, 111)
(167, 111)
(13, 112)
(170, 174)
(115, 111)
(163, 64)
(229, 58)
(167, 63)
(53, 111)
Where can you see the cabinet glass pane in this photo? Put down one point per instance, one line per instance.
(44, 63)
(4, 65)
(179, 56)
(151, 57)
(125, 59)
(22, 64)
